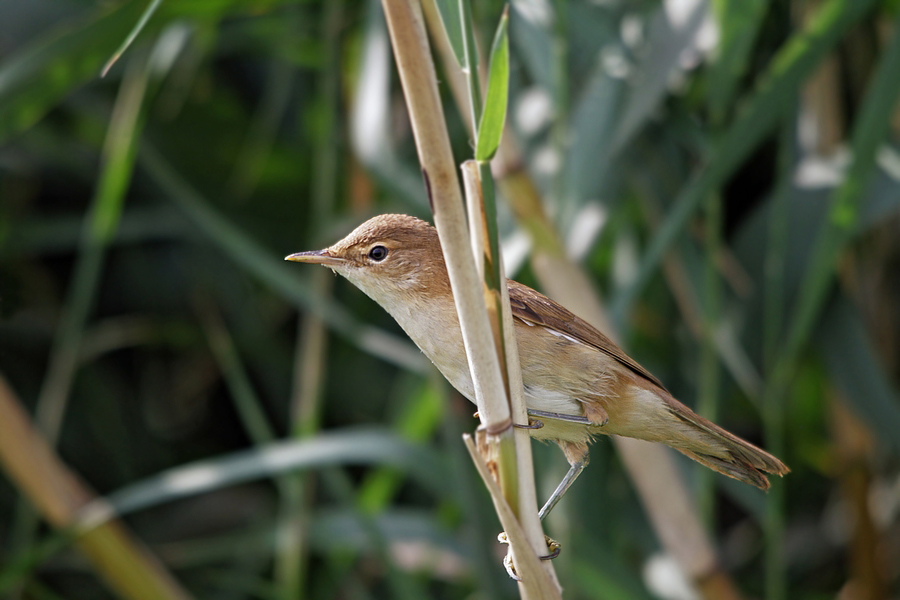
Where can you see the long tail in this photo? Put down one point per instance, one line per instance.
(712, 446)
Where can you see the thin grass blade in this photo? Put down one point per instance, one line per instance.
(493, 116)
(139, 26)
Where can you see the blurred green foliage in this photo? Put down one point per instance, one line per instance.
(147, 317)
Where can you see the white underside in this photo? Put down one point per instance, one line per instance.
(551, 401)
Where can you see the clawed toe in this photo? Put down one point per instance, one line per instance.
(552, 545)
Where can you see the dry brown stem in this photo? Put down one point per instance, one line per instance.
(120, 559)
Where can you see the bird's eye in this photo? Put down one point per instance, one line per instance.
(378, 253)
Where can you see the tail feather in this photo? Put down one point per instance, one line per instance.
(721, 451)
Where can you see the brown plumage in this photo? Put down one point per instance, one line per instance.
(569, 368)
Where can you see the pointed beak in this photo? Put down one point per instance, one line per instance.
(316, 257)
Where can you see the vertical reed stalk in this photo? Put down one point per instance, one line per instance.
(773, 322)
(417, 74)
(708, 399)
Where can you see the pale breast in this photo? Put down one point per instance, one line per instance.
(440, 339)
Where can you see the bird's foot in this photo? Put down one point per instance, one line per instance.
(552, 545)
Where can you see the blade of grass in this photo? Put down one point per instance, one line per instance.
(139, 26)
(593, 121)
(263, 129)
(370, 116)
(511, 450)
(19, 568)
(856, 369)
(399, 586)
(667, 42)
(247, 404)
(730, 351)
(778, 85)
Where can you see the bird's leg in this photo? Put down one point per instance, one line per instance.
(567, 481)
(577, 455)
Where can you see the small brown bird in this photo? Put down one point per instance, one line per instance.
(577, 382)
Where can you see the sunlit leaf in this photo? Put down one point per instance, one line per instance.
(493, 116)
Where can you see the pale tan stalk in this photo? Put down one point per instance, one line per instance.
(417, 74)
(120, 559)
(528, 562)
(527, 497)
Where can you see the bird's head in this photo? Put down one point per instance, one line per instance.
(392, 258)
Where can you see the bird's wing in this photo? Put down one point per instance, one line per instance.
(537, 309)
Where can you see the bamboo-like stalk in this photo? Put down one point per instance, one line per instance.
(472, 173)
(120, 559)
(417, 74)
